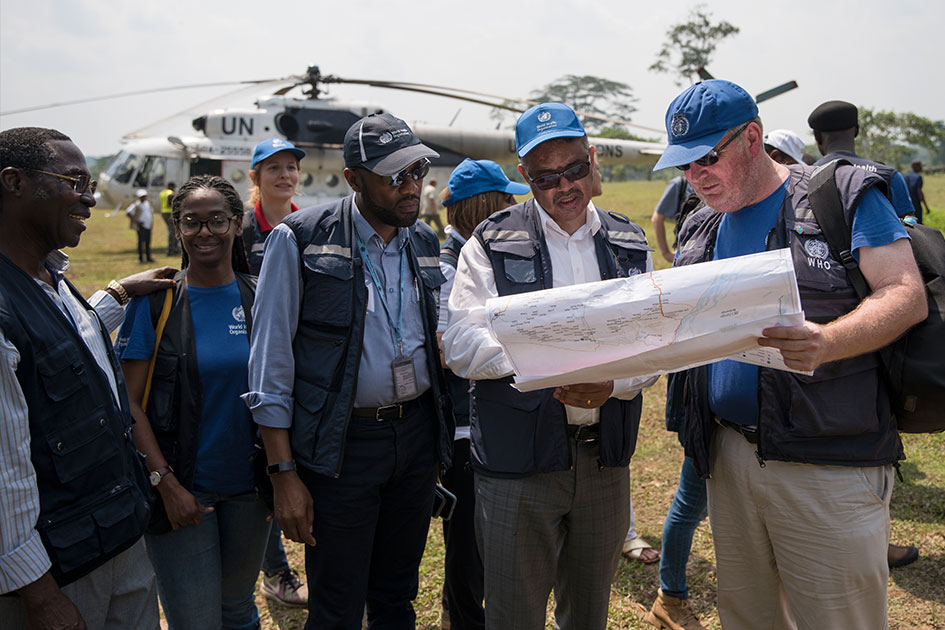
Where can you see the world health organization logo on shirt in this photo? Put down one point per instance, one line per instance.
(238, 314)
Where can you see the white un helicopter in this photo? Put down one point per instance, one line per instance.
(222, 141)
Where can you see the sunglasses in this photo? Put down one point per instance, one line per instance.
(189, 226)
(80, 184)
(712, 156)
(573, 174)
(417, 173)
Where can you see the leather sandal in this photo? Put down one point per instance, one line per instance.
(634, 549)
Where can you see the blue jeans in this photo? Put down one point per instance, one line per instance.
(275, 560)
(206, 573)
(687, 511)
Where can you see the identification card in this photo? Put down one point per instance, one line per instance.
(405, 378)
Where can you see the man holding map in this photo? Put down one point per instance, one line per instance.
(801, 466)
(552, 483)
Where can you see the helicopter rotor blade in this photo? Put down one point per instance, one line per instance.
(93, 99)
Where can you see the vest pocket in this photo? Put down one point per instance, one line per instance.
(518, 260)
(328, 285)
(160, 410)
(81, 446)
(506, 426)
(73, 543)
(62, 370)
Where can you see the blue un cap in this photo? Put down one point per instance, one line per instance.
(698, 118)
(543, 122)
(270, 147)
(471, 178)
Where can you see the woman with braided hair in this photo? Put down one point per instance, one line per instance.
(208, 529)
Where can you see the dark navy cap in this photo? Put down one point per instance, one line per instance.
(270, 147)
(471, 178)
(543, 122)
(833, 116)
(698, 118)
(383, 144)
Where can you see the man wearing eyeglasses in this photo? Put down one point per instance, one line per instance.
(551, 476)
(74, 498)
(345, 381)
(798, 467)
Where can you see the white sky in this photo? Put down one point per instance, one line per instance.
(873, 53)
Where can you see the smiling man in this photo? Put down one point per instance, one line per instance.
(798, 468)
(345, 381)
(73, 491)
(551, 476)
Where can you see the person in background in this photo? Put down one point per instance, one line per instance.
(167, 197)
(142, 219)
(73, 492)
(914, 184)
(668, 207)
(476, 190)
(208, 533)
(430, 207)
(551, 466)
(274, 172)
(784, 146)
(798, 469)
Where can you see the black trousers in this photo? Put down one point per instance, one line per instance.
(371, 524)
(144, 245)
(462, 584)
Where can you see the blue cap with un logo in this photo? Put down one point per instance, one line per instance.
(698, 118)
(271, 146)
(543, 122)
(473, 177)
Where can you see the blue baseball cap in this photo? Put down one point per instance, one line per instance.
(471, 178)
(543, 122)
(698, 118)
(271, 146)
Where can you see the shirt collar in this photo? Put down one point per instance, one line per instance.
(57, 263)
(590, 227)
(451, 231)
(368, 234)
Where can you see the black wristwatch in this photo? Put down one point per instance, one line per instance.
(272, 469)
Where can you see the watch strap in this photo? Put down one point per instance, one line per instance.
(272, 469)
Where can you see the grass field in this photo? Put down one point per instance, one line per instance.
(916, 592)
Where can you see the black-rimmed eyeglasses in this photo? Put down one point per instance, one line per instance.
(712, 156)
(80, 184)
(217, 225)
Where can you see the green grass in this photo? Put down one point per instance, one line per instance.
(916, 593)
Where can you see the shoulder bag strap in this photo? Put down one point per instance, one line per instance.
(158, 333)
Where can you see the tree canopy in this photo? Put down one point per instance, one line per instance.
(891, 137)
(690, 45)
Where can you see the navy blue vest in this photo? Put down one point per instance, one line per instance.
(327, 345)
(840, 415)
(254, 240)
(458, 386)
(93, 490)
(520, 433)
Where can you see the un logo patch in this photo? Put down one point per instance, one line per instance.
(680, 125)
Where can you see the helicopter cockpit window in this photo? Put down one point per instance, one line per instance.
(158, 170)
(152, 167)
(127, 168)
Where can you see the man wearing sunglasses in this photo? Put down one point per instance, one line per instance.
(345, 381)
(798, 467)
(551, 477)
(73, 492)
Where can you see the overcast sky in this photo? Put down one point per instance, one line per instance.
(873, 53)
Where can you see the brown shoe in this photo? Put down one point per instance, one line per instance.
(672, 613)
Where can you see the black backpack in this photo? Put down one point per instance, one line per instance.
(914, 364)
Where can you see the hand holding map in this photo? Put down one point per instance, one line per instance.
(651, 323)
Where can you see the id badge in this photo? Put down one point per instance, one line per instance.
(405, 378)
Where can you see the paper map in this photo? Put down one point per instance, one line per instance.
(651, 323)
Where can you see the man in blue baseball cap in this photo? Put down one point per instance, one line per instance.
(551, 477)
(801, 466)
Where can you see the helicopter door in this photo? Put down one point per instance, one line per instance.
(204, 166)
(152, 172)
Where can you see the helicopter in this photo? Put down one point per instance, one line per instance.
(221, 141)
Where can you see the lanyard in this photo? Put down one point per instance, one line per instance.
(397, 327)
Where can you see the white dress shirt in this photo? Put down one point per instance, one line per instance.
(470, 349)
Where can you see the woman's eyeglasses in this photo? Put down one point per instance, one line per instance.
(189, 226)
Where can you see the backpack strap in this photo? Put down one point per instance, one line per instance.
(825, 203)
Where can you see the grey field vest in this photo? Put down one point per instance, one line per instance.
(840, 415)
(327, 345)
(520, 433)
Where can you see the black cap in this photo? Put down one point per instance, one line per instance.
(833, 116)
(383, 144)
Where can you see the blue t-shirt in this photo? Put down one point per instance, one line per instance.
(733, 386)
(226, 433)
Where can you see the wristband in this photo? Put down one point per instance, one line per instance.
(123, 297)
(273, 469)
